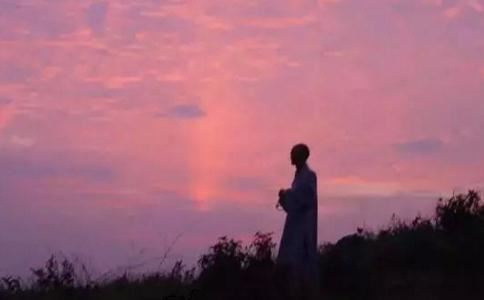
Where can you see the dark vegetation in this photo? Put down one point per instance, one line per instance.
(437, 258)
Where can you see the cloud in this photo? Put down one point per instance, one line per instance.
(96, 15)
(6, 115)
(42, 19)
(476, 5)
(281, 23)
(8, 7)
(13, 73)
(420, 147)
(5, 101)
(245, 183)
(35, 166)
(148, 20)
(23, 142)
(183, 111)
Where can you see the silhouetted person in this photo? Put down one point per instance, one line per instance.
(298, 248)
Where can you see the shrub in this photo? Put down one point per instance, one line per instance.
(55, 274)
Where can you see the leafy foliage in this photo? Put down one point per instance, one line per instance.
(55, 274)
(435, 258)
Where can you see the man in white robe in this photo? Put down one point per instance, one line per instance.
(298, 247)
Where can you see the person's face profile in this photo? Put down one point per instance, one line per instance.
(295, 158)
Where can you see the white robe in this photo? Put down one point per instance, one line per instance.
(298, 247)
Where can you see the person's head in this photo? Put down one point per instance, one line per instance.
(299, 155)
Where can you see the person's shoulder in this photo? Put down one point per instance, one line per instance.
(311, 172)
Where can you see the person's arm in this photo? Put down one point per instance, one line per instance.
(300, 198)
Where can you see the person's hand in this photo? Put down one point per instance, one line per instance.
(281, 198)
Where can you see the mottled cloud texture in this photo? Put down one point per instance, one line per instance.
(126, 123)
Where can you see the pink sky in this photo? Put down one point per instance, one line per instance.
(126, 123)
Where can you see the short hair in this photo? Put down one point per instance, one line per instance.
(303, 149)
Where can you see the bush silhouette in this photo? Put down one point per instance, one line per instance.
(237, 272)
(436, 256)
(55, 274)
(427, 258)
